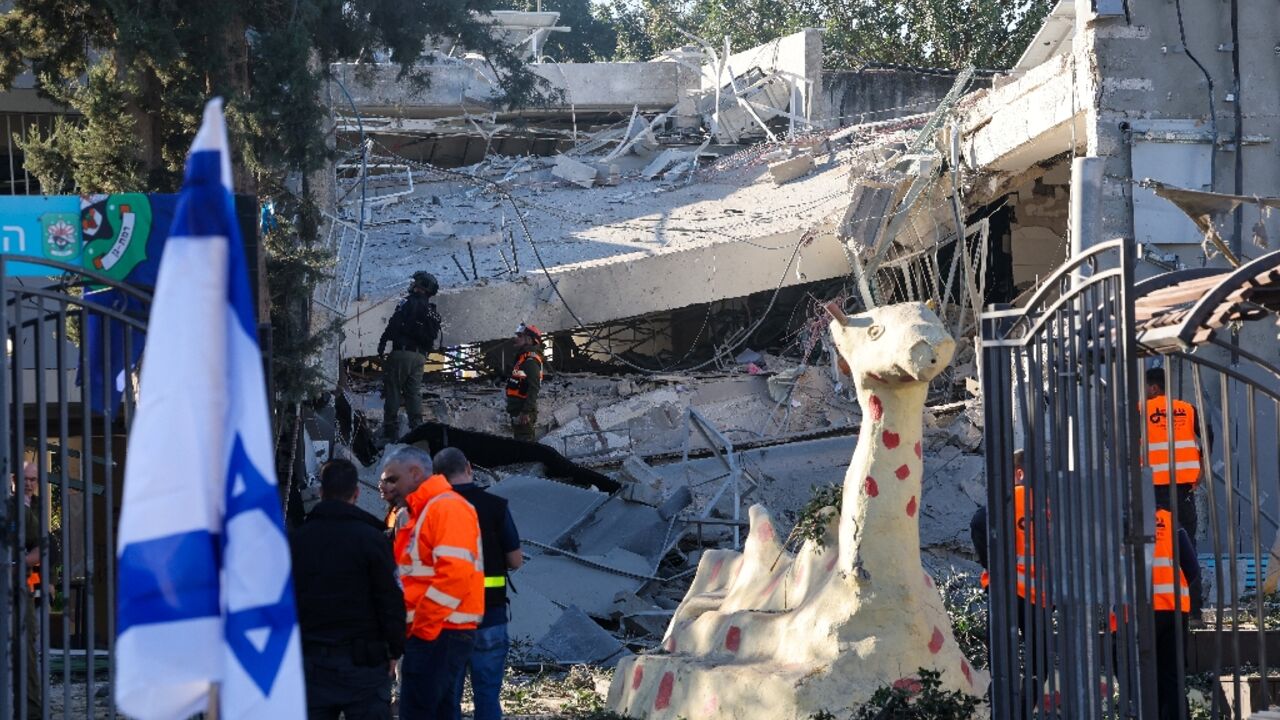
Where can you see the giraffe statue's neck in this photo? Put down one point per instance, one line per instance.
(882, 488)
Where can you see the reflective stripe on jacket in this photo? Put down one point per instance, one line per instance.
(518, 383)
(1186, 451)
(440, 562)
(1164, 596)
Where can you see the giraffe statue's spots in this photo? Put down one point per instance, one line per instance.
(637, 677)
(665, 686)
(876, 407)
(715, 574)
(741, 646)
(733, 639)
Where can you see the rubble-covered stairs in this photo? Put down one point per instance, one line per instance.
(764, 633)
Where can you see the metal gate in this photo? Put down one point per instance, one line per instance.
(1210, 337)
(1070, 617)
(73, 340)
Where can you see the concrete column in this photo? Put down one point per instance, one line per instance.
(1086, 205)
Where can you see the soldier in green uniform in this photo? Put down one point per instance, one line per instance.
(412, 332)
(524, 383)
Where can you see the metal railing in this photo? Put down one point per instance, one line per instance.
(1070, 381)
(57, 614)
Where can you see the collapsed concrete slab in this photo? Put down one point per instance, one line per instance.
(611, 252)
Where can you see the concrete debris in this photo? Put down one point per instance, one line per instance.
(785, 171)
(664, 161)
(782, 384)
(545, 510)
(641, 483)
(578, 173)
(576, 639)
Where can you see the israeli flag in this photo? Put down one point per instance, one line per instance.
(205, 589)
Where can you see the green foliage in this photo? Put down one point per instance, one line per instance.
(918, 699)
(295, 269)
(97, 152)
(814, 516)
(923, 33)
(137, 76)
(931, 33)
(967, 607)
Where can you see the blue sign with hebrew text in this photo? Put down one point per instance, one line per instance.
(42, 227)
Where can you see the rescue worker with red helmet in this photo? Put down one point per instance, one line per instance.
(525, 382)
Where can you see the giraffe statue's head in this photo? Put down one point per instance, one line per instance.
(901, 343)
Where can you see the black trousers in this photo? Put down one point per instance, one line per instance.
(1189, 520)
(1169, 704)
(336, 685)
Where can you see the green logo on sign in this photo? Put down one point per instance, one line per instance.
(116, 228)
(61, 236)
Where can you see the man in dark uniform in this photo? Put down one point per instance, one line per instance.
(500, 546)
(412, 331)
(525, 382)
(31, 618)
(350, 605)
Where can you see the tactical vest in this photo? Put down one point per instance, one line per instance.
(491, 511)
(518, 383)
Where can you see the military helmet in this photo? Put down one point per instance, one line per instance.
(426, 281)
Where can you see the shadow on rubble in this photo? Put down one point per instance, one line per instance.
(495, 451)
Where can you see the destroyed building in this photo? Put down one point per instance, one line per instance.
(673, 226)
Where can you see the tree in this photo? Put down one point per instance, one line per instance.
(990, 34)
(924, 33)
(137, 75)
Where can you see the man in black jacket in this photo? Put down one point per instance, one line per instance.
(500, 546)
(350, 605)
(412, 331)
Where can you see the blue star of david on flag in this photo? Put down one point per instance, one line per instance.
(205, 591)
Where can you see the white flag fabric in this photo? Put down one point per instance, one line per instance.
(205, 586)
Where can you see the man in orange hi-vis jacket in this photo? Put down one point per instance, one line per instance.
(441, 566)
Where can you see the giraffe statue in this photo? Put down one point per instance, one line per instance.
(767, 634)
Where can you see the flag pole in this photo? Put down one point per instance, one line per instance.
(214, 712)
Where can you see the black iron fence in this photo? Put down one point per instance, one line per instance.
(1137, 412)
(68, 394)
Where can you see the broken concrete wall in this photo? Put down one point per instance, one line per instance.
(1038, 240)
(874, 94)
(1142, 73)
(456, 87)
(796, 57)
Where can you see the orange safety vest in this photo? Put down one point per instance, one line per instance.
(518, 383)
(1024, 542)
(440, 561)
(1186, 451)
(1164, 596)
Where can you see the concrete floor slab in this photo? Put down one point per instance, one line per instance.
(544, 509)
(566, 581)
